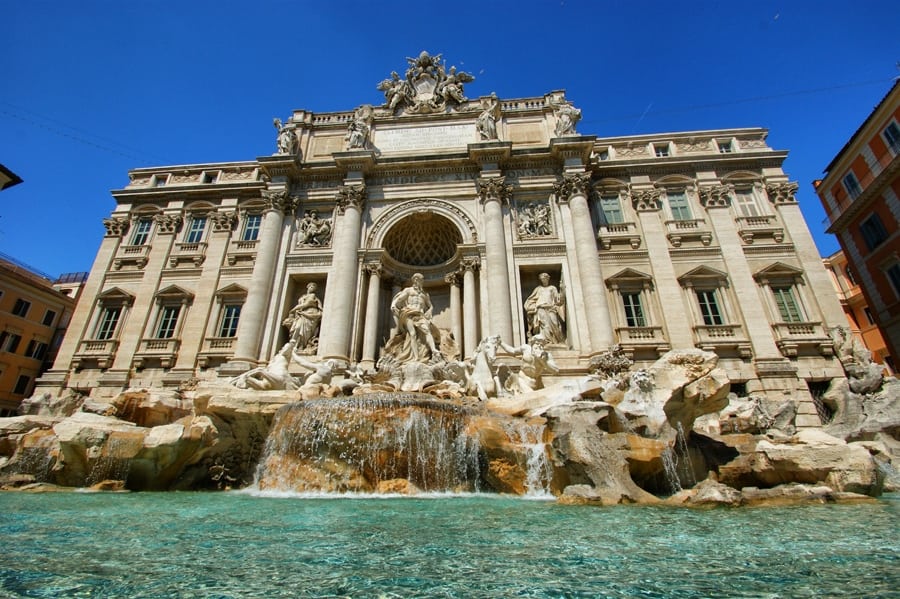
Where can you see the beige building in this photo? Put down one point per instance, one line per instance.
(675, 240)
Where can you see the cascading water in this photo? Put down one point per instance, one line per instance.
(373, 443)
(670, 470)
(686, 470)
(537, 468)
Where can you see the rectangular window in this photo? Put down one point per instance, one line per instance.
(851, 184)
(251, 227)
(109, 320)
(210, 177)
(873, 231)
(868, 313)
(168, 318)
(788, 308)
(678, 205)
(36, 349)
(746, 202)
(725, 146)
(709, 307)
(230, 317)
(9, 341)
(21, 308)
(634, 311)
(22, 384)
(159, 180)
(141, 231)
(612, 209)
(893, 275)
(49, 317)
(661, 150)
(195, 230)
(891, 135)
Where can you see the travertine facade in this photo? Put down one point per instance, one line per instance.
(652, 242)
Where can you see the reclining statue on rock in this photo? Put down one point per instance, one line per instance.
(274, 376)
(535, 361)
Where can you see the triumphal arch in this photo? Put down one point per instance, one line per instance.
(517, 223)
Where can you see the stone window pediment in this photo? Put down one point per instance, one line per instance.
(779, 273)
(705, 277)
(630, 278)
(115, 296)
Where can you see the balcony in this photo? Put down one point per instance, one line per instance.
(794, 337)
(162, 351)
(216, 350)
(131, 254)
(693, 229)
(642, 340)
(619, 234)
(721, 338)
(755, 227)
(98, 351)
(241, 251)
(194, 253)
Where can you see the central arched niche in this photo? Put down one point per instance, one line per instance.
(423, 239)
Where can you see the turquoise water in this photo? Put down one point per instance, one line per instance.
(240, 545)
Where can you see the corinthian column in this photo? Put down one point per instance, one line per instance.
(493, 192)
(572, 191)
(370, 336)
(470, 307)
(337, 320)
(455, 308)
(246, 351)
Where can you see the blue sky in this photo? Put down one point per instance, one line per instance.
(92, 89)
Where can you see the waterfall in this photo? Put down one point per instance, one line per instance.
(684, 457)
(530, 438)
(668, 460)
(373, 443)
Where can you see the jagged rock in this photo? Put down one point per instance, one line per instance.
(812, 457)
(47, 405)
(536, 403)
(708, 492)
(794, 493)
(655, 411)
(399, 486)
(861, 417)
(594, 462)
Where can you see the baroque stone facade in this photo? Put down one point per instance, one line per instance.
(651, 242)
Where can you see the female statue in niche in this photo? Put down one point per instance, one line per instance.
(545, 310)
(303, 320)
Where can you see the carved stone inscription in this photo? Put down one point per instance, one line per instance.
(425, 138)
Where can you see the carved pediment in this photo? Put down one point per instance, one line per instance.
(629, 277)
(703, 275)
(116, 295)
(779, 271)
(174, 292)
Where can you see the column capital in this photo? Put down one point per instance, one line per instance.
(280, 200)
(116, 226)
(716, 196)
(782, 193)
(168, 223)
(223, 221)
(493, 188)
(645, 200)
(350, 196)
(374, 269)
(452, 278)
(572, 184)
(472, 264)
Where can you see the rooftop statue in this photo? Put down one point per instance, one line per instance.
(429, 86)
(567, 116)
(286, 141)
(360, 128)
(486, 123)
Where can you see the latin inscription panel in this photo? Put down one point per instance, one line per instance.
(425, 138)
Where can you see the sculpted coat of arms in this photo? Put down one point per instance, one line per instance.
(427, 88)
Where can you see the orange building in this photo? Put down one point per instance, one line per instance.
(859, 315)
(33, 316)
(860, 194)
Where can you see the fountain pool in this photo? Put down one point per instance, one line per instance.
(248, 544)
